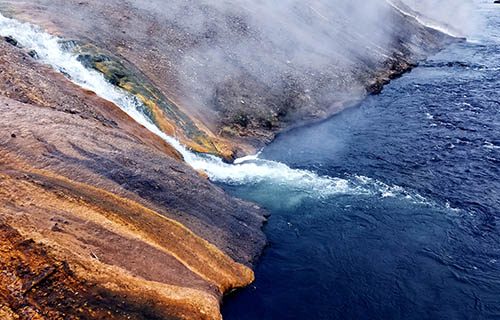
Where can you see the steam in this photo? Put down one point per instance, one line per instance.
(459, 15)
(316, 51)
(311, 50)
(257, 63)
(292, 57)
(250, 171)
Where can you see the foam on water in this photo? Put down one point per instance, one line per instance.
(249, 170)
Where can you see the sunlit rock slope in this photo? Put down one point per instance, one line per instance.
(100, 219)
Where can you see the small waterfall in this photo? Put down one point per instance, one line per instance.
(245, 171)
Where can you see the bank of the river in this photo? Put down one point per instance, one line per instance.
(101, 218)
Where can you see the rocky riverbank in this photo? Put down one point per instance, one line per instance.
(106, 213)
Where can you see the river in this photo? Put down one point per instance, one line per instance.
(409, 226)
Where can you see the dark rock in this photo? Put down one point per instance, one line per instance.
(33, 54)
(13, 135)
(56, 228)
(11, 41)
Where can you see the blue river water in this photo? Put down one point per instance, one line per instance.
(426, 245)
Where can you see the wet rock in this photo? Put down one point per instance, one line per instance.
(11, 40)
(168, 243)
(163, 112)
(33, 54)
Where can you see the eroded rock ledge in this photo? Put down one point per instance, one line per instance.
(100, 219)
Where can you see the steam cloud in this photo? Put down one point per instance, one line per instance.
(458, 14)
(305, 55)
(305, 49)
(256, 61)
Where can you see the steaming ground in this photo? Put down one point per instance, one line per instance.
(252, 172)
(248, 69)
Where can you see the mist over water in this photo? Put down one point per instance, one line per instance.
(436, 130)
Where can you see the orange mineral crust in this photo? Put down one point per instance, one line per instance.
(101, 219)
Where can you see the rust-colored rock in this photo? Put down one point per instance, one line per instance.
(100, 219)
(35, 285)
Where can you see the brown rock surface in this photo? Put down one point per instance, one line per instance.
(100, 219)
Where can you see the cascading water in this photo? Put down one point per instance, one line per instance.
(249, 170)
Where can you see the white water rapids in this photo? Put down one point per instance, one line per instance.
(248, 170)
